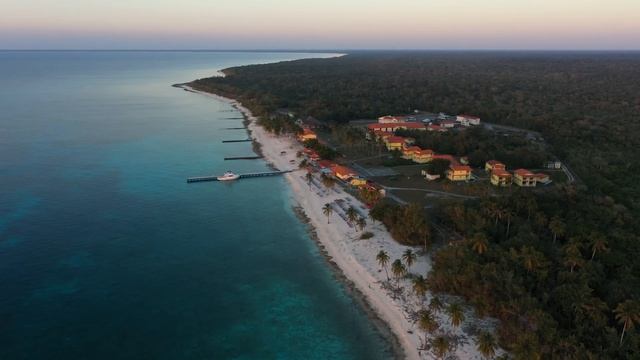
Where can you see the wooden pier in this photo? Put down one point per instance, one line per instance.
(242, 176)
(235, 141)
(243, 158)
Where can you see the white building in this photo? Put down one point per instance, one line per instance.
(467, 120)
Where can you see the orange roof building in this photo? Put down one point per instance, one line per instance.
(394, 143)
(459, 172)
(307, 134)
(524, 178)
(343, 172)
(501, 178)
(491, 165)
(423, 156)
(392, 127)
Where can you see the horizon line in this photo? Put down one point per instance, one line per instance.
(345, 50)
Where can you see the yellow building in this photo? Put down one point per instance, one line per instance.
(307, 134)
(501, 178)
(395, 143)
(423, 156)
(459, 173)
(524, 178)
(356, 181)
(409, 151)
(491, 165)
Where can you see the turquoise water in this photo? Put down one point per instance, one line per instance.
(106, 252)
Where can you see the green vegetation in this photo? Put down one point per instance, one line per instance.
(406, 224)
(325, 152)
(279, 124)
(480, 145)
(560, 268)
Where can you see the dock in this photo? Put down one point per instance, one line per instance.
(242, 176)
(243, 158)
(235, 141)
(235, 128)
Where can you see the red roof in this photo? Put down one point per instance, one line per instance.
(395, 139)
(541, 175)
(342, 170)
(501, 173)
(460, 167)
(407, 125)
(451, 159)
(494, 162)
(424, 151)
(523, 173)
(325, 164)
(412, 148)
(469, 116)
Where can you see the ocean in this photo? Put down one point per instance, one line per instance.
(107, 253)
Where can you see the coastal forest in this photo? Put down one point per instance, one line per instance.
(560, 269)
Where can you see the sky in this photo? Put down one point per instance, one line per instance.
(320, 24)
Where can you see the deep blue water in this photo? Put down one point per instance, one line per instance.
(106, 252)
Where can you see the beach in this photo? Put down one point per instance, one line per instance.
(354, 257)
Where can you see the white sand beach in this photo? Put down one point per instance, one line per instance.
(356, 258)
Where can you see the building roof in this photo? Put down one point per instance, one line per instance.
(395, 139)
(343, 170)
(460, 168)
(325, 164)
(494, 162)
(541, 175)
(469, 116)
(501, 173)
(408, 125)
(412, 148)
(523, 173)
(424, 152)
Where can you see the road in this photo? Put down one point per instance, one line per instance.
(444, 193)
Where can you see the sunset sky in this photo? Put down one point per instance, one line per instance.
(320, 24)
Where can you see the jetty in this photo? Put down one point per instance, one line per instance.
(243, 158)
(241, 176)
(235, 141)
(235, 128)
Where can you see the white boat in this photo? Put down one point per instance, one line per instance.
(228, 176)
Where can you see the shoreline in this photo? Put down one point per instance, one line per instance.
(353, 259)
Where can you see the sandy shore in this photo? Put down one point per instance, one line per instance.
(354, 257)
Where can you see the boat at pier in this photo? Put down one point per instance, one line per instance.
(228, 176)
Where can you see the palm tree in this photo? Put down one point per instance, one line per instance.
(598, 244)
(572, 258)
(486, 344)
(398, 270)
(409, 258)
(557, 227)
(309, 177)
(352, 214)
(441, 346)
(420, 286)
(627, 314)
(494, 211)
(436, 304)
(327, 210)
(479, 243)
(426, 321)
(362, 223)
(383, 260)
(508, 214)
(455, 314)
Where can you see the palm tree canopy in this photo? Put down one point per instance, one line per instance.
(398, 269)
(420, 286)
(456, 314)
(628, 313)
(486, 344)
(383, 258)
(409, 257)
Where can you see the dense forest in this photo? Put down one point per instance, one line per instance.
(561, 268)
(586, 104)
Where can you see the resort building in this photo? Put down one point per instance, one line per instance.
(391, 119)
(423, 156)
(343, 172)
(432, 127)
(467, 120)
(448, 124)
(501, 177)
(492, 165)
(459, 173)
(358, 181)
(409, 151)
(395, 143)
(307, 134)
(524, 178)
(542, 178)
(392, 127)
